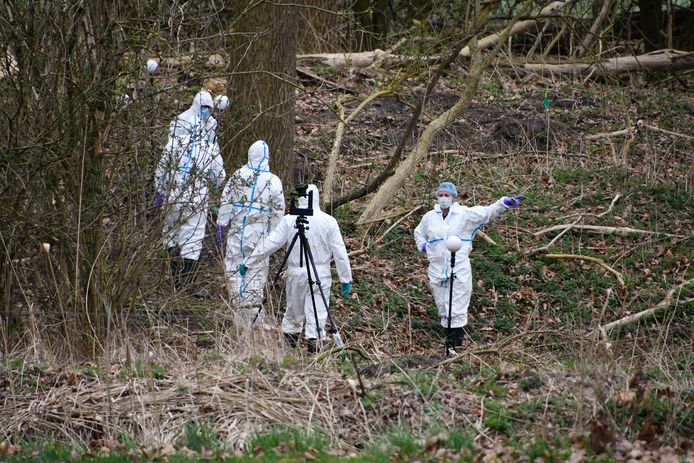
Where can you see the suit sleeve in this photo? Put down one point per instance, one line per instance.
(276, 202)
(482, 215)
(421, 232)
(339, 251)
(226, 208)
(272, 243)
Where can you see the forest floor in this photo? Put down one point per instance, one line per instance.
(536, 379)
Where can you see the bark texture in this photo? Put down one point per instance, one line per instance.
(261, 87)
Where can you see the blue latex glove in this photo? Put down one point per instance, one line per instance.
(158, 199)
(346, 289)
(424, 247)
(242, 269)
(220, 234)
(513, 202)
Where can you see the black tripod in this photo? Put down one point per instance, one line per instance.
(306, 258)
(449, 336)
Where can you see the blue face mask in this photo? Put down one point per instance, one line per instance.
(205, 113)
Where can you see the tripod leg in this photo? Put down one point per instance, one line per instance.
(333, 328)
(304, 247)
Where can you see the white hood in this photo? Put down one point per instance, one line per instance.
(192, 118)
(259, 156)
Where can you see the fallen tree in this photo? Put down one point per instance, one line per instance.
(661, 60)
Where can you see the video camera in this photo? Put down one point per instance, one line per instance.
(301, 191)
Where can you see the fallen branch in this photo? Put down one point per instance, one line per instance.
(669, 300)
(630, 131)
(494, 349)
(641, 123)
(356, 253)
(595, 260)
(616, 133)
(604, 230)
(520, 26)
(486, 237)
(556, 238)
(306, 74)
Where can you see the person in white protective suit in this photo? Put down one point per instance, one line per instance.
(252, 205)
(325, 240)
(190, 163)
(449, 218)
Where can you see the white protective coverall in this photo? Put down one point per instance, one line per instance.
(252, 205)
(325, 241)
(190, 161)
(434, 230)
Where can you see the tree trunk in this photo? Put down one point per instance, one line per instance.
(651, 22)
(263, 51)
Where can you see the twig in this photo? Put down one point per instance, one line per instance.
(669, 300)
(604, 230)
(595, 260)
(556, 238)
(356, 253)
(494, 349)
(641, 123)
(609, 209)
(398, 222)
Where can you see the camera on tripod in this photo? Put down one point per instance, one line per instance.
(301, 191)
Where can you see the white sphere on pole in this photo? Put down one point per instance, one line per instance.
(454, 243)
(152, 66)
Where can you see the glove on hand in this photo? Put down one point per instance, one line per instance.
(242, 269)
(346, 289)
(220, 234)
(158, 199)
(424, 247)
(512, 202)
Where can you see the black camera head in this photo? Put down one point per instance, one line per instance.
(301, 191)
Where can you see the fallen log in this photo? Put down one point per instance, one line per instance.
(659, 60)
(341, 60)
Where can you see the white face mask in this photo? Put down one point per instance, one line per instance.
(445, 202)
